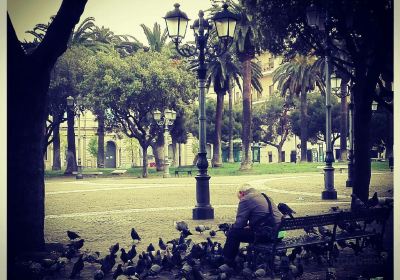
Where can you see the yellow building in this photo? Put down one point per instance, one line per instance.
(120, 151)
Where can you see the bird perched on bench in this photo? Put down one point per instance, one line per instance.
(286, 210)
(373, 201)
(357, 203)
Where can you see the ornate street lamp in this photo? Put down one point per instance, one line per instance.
(225, 23)
(165, 120)
(319, 18)
(374, 106)
(70, 104)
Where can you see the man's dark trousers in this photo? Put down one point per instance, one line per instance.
(234, 237)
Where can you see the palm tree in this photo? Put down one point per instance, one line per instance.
(156, 39)
(297, 77)
(220, 72)
(246, 46)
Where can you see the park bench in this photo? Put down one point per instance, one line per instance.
(89, 173)
(337, 167)
(184, 169)
(118, 172)
(334, 221)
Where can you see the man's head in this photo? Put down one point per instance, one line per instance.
(243, 190)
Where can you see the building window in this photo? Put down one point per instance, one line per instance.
(269, 156)
(283, 158)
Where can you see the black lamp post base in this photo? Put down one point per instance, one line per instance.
(329, 194)
(203, 213)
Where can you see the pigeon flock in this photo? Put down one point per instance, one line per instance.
(182, 258)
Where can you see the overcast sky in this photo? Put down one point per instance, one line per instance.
(121, 16)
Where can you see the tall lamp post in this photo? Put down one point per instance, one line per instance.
(70, 104)
(320, 19)
(165, 120)
(350, 175)
(225, 23)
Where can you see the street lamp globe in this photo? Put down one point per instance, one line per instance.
(335, 82)
(200, 23)
(70, 101)
(173, 115)
(225, 23)
(176, 22)
(157, 115)
(374, 105)
(168, 114)
(313, 14)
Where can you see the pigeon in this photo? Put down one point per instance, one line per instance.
(180, 226)
(201, 228)
(286, 210)
(373, 201)
(91, 257)
(118, 271)
(356, 247)
(114, 249)
(135, 236)
(124, 256)
(150, 248)
(357, 203)
(78, 266)
(161, 244)
(132, 252)
(324, 231)
(108, 263)
(213, 233)
(310, 230)
(72, 235)
(225, 227)
(77, 244)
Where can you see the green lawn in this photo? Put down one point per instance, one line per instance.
(228, 169)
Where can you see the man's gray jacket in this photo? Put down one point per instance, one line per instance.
(252, 208)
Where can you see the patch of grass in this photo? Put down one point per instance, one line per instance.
(228, 169)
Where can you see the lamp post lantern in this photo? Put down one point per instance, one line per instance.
(319, 18)
(165, 120)
(70, 104)
(225, 23)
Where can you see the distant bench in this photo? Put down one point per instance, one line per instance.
(337, 167)
(118, 172)
(184, 169)
(89, 173)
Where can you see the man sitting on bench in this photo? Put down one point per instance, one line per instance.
(256, 211)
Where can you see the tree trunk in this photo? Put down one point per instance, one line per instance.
(246, 123)
(174, 153)
(343, 121)
(362, 146)
(230, 157)
(158, 152)
(180, 154)
(144, 169)
(303, 130)
(279, 148)
(71, 151)
(100, 140)
(389, 139)
(217, 162)
(28, 79)
(56, 148)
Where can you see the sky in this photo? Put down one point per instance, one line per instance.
(121, 16)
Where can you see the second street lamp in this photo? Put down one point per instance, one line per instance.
(225, 22)
(70, 104)
(165, 120)
(319, 18)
